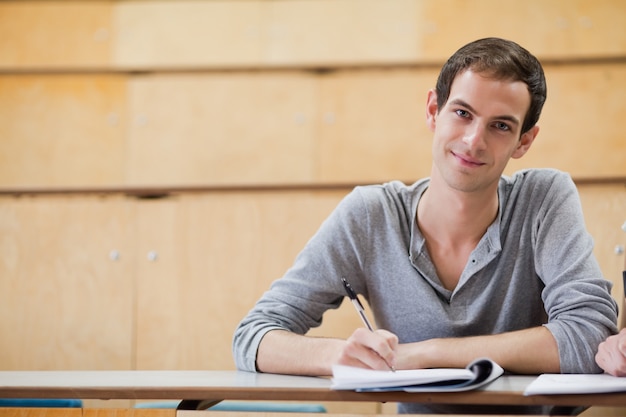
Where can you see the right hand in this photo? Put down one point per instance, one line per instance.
(372, 350)
(611, 354)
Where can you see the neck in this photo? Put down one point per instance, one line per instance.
(456, 216)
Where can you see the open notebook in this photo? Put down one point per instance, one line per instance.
(477, 374)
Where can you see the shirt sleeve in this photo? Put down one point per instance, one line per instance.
(297, 301)
(577, 298)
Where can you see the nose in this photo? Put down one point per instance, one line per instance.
(474, 136)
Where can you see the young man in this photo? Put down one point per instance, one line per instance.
(463, 264)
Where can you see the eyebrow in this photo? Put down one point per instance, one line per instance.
(506, 117)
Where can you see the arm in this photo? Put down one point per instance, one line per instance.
(270, 337)
(282, 352)
(577, 298)
(528, 351)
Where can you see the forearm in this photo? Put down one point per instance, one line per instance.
(288, 353)
(528, 351)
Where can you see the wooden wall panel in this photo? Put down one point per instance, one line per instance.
(429, 31)
(373, 126)
(354, 32)
(55, 34)
(551, 29)
(62, 130)
(305, 32)
(245, 33)
(65, 303)
(221, 129)
(187, 33)
(417, 31)
(604, 207)
(217, 254)
(579, 129)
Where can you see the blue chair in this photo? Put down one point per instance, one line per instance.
(40, 403)
(267, 407)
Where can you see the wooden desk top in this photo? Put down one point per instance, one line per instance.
(237, 385)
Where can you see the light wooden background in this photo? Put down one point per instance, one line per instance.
(161, 162)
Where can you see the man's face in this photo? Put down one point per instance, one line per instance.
(477, 131)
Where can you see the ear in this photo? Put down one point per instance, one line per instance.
(525, 141)
(431, 110)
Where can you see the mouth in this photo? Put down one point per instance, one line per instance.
(467, 160)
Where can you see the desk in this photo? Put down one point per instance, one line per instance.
(237, 385)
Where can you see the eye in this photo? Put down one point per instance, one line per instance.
(502, 126)
(462, 113)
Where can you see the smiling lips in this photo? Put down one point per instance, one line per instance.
(467, 160)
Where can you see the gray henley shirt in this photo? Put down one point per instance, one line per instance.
(534, 266)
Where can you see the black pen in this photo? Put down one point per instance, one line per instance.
(359, 308)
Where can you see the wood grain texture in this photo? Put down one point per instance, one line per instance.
(55, 34)
(217, 255)
(221, 129)
(62, 130)
(65, 302)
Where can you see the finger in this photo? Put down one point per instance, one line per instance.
(621, 343)
(372, 349)
(383, 343)
(387, 347)
(360, 355)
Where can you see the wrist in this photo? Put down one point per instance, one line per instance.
(419, 355)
